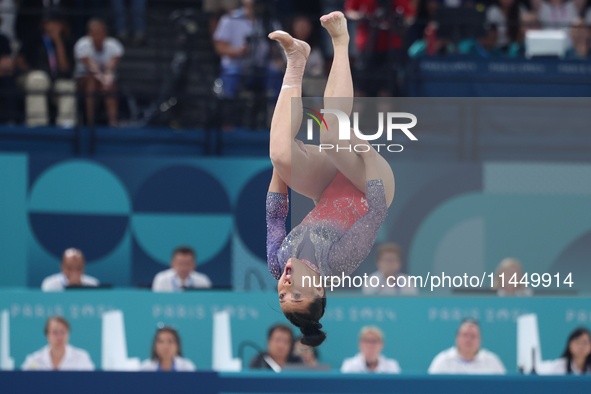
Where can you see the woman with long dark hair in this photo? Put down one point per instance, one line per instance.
(576, 358)
(167, 354)
(352, 191)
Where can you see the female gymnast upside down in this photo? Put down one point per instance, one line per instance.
(352, 191)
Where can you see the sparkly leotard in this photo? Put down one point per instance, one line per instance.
(336, 236)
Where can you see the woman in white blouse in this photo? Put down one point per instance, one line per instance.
(58, 355)
(167, 354)
(576, 358)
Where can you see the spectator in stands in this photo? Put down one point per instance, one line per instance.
(72, 274)
(430, 44)
(485, 46)
(557, 14)
(508, 279)
(247, 58)
(576, 358)
(182, 274)
(137, 14)
(30, 14)
(376, 38)
(467, 357)
(580, 35)
(314, 75)
(46, 61)
(389, 263)
(529, 21)
(58, 355)
(7, 82)
(216, 8)
(505, 15)
(279, 350)
(308, 354)
(167, 354)
(370, 358)
(97, 58)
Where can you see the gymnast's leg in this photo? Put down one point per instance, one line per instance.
(307, 172)
(339, 95)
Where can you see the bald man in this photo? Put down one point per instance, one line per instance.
(72, 273)
(467, 357)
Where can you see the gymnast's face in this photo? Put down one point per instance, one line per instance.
(294, 294)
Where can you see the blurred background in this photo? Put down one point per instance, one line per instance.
(134, 162)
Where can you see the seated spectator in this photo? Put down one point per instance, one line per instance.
(182, 274)
(72, 274)
(167, 354)
(430, 44)
(389, 262)
(308, 354)
(370, 358)
(576, 358)
(240, 39)
(97, 59)
(58, 355)
(508, 279)
(314, 74)
(505, 15)
(46, 61)
(557, 14)
(7, 82)
(485, 46)
(580, 35)
(467, 357)
(279, 350)
(137, 13)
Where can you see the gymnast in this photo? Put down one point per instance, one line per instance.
(352, 191)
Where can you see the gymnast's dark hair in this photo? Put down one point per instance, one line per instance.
(569, 356)
(308, 323)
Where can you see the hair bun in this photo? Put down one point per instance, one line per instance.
(312, 335)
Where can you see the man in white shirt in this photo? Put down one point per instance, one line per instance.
(467, 357)
(369, 359)
(72, 274)
(97, 58)
(182, 273)
(58, 355)
(389, 262)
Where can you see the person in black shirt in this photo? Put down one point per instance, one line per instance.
(46, 60)
(279, 350)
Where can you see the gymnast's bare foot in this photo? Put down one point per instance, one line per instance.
(336, 24)
(290, 45)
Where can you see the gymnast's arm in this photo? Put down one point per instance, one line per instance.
(277, 208)
(352, 248)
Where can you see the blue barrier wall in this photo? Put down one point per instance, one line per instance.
(416, 329)
(462, 76)
(287, 382)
